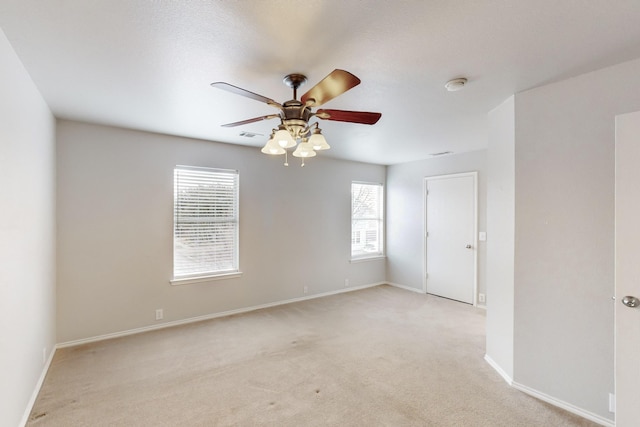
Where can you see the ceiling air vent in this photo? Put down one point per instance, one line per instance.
(443, 153)
(249, 134)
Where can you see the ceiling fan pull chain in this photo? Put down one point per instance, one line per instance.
(286, 158)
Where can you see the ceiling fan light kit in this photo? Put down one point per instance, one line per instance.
(294, 129)
(273, 148)
(283, 137)
(317, 140)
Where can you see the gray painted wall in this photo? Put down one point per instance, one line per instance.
(500, 232)
(564, 236)
(405, 214)
(27, 236)
(115, 224)
(113, 274)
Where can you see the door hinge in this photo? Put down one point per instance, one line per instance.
(426, 275)
(426, 234)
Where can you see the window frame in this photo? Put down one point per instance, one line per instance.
(380, 253)
(181, 278)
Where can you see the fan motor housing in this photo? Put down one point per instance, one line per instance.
(295, 116)
(295, 109)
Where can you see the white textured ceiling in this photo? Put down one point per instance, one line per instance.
(147, 64)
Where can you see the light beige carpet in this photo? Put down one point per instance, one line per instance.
(377, 357)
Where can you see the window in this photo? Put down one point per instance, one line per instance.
(366, 220)
(205, 225)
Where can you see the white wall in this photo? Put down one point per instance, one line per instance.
(115, 223)
(500, 232)
(27, 236)
(564, 235)
(405, 214)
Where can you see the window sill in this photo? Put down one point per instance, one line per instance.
(200, 279)
(367, 258)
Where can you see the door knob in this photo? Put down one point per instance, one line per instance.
(468, 246)
(630, 301)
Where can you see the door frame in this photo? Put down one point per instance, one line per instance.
(474, 175)
(627, 128)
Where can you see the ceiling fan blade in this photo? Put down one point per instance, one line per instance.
(362, 117)
(336, 83)
(243, 92)
(255, 119)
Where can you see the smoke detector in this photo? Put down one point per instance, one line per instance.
(455, 84)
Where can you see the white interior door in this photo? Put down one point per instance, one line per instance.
(450, 235)
(627, 323)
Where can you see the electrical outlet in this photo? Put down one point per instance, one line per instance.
(481, 298)
(346, 283)
(306, 289)
(159, 314)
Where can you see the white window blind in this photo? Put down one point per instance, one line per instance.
(366, 220)
(205, 231)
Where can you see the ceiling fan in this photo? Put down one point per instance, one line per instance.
(295, 114)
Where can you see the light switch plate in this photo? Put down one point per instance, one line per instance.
(612, 403)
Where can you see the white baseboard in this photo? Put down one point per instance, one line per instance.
(36, 390)
(406, 288)
(564, 405)
(542, 396)
(498, 369)
(211, 316)
(549, 399)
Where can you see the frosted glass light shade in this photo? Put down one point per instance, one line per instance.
(284, 139)
(318, 142)
(304, 150)
(272, 148)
